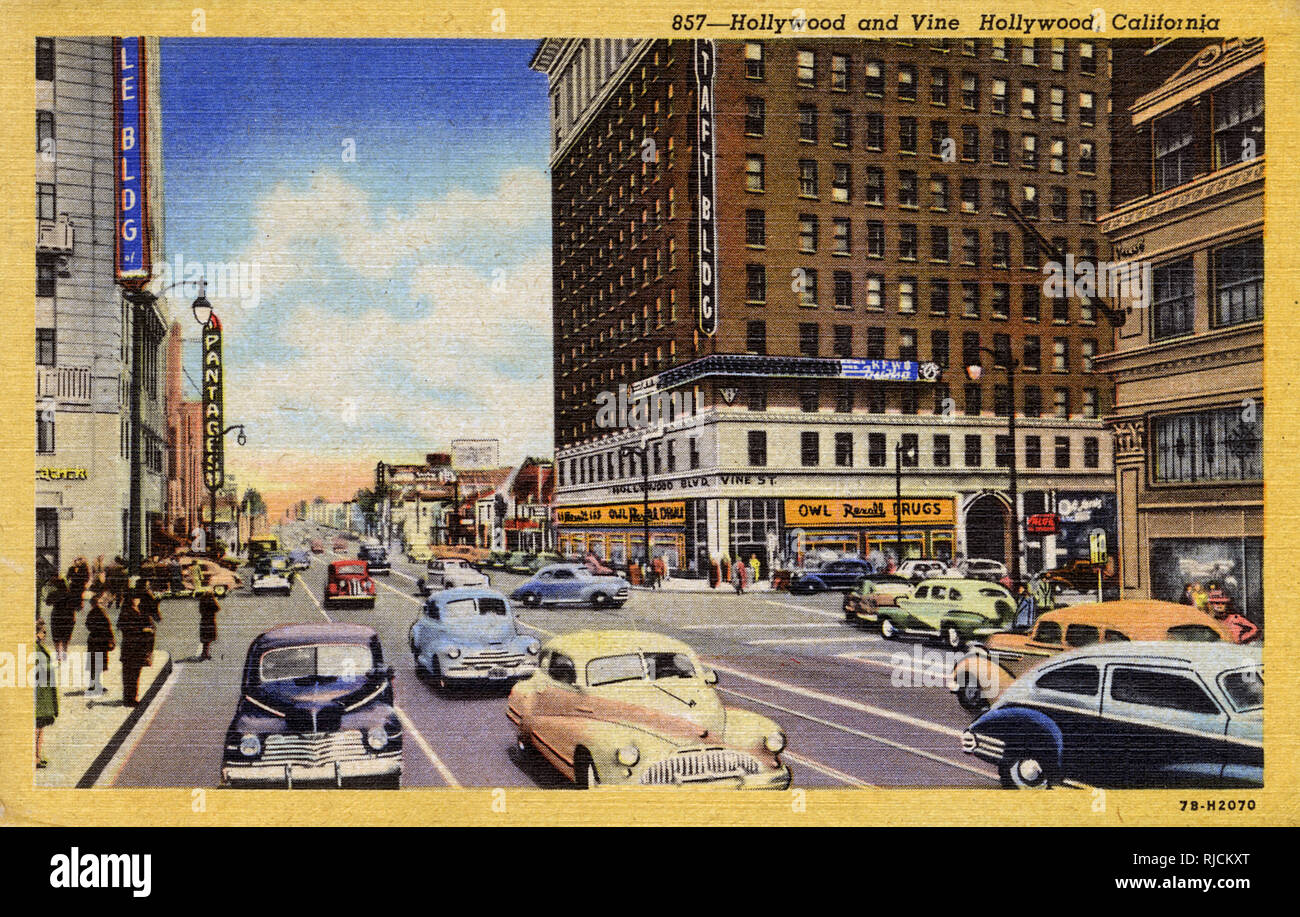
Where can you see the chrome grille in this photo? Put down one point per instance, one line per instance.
(488, 658)
(700, 765)
(314, 750)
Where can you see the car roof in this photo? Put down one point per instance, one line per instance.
(346, 562)
(1207, 658)
(1136, 617)
(302, 634)
(962, 581)
(583, 645)
(466, 592)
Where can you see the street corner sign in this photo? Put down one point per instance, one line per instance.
(133, 258)
(707, 186)
(214, 455)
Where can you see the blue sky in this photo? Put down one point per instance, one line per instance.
(390, 303)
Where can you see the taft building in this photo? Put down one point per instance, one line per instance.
(1189, 410)
(796, 247)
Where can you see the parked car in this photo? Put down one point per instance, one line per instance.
(983, 674)
(497, 560)
(470, 634)
(838, 574)
(537, 561)
(1156, 714)
(954, 609)
(466, 552)
(1081, 576)
(316, 705)
(518, 562)
(418, 553)
(340, 544)
(878, 589)
(639, 709)
(259, 545)
(917, 570)
(449, 573)
(349, 583)
(376, 558)
(214, 577)
(300, 558)
(572, 584)
(991, 571)
(273, 573)
(317, 546)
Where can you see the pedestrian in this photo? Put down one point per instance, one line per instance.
(660, 570)
(1200, 597)
(115, 579)
(47, 691)
(714, 576)
(739, 573)
(175, 578)
(1026, 611)
(97, 574)
(755, 566)
(79, 577)
(138, 634)
(99, 641)
(725, 570)
(65, 602)
(208, 609)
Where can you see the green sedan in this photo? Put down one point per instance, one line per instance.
(954, 610)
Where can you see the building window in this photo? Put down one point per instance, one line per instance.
(875, 186)
(45, 58)
(809, 400)
(806, 68)
(999, 97)
(1029, 207)
(1087, 109)
(907, 83)
(756, 393)
(875, 343)
(1029, 101)
(939, 348)
(1029, 151)
(44, 432)
(1213, 445)
(807, 233)
(808, 177)
(843, 290)
(907, 402)
(809, 296)
(841, 188)
(808, 123)
(938, 87)
(809, 449)
(939, 296)
(1087, 206)
(1091, 452)
(938, 134)
(844, 450)
(1029, 250)
(754, 177)
(1033, 401)
(754, 60)
(1087, 354)
(1061, 355)
(875, 293)
(756, 228)
(1033, 452)
(46, 202)
(1061, 403)
(907, 344)
(755, 284)
(841, 128)
(1087, 61)
(1001, 250)
(44, 131)
(939, 244)
(876, 450)
(998, 49)
(757, 448)
(1057, 103)
(839, 73)
(1239, 120)
(907, 294)
(970, 348)
(1001, 198)
(1056, 160)
(876, 398)
(907, 189)
(1033, 353)
(1090, 410)
(1173, 300)
(910, 455)
(694, 452)
(1029, 302)
(970, 91)
(1239, 283)
(907, 242)
(45, 349)
(942, 455)
(875, 78)
(1062, 449)
(46, 275)
(970, 299)
(756, 338)
(1002, 451)
(974, 398)
(907, 135)
(844, 398)
(974, 450)
(755, 117)
(875, 132)
(938, 192)
(809, 338)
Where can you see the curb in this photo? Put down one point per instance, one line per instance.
(97, 766)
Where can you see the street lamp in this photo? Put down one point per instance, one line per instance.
(974, 371)
(204, 315)
(642, 452)
(900, 452)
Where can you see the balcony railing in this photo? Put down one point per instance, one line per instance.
(65, 384)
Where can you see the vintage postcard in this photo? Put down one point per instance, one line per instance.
(447, 410)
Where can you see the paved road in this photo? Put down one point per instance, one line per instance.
(859, 711)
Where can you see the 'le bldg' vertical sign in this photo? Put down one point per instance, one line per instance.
(707, 185)
(130, 112)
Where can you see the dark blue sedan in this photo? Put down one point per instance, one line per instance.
(838, 574)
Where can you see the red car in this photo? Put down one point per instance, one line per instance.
(349, 583)
(340, 544)
(317, 546)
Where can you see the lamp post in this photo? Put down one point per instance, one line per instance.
(643, 453)
(899, 453)
(974, 371)
(204, 315)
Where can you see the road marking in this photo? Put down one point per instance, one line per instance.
(827, 770)
(806, 641)
(843, 702)
(542, 630)
(404, 575)
(930, 756)
(115, 766)
(409, 727)
(754, 624)
(408, 598)
(315, 601)
(811, 611)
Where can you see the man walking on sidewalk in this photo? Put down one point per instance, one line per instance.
(739, 572)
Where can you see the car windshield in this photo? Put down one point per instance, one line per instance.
(350, 569)
(629, 667)
(1244, 687)
(324, 661)
(470, 608)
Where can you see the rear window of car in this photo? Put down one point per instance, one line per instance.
(1048, 632)
(1244, 688)
(1114, 636)
(1083, 680)
(1167, 690)
(1081, 635)
(1193, 633)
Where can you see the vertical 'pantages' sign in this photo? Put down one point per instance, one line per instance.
(707, 260)
(133, 262)
(214, 455)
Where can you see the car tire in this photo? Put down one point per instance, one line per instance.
(600, 600)
(585, 776)
(971, 698)
(617, 604)
(1025, 770)
(531, 599)
(888, 629)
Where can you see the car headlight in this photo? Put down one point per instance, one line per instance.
(250, 746)
(534, 648)
(377, 737)
(629, 755)
(774, 742)
(453, 652)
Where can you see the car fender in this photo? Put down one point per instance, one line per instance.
(991, 677)
(746, 729)
(603, 739)
(1021, 727)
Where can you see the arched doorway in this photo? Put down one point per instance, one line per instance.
(986, 528)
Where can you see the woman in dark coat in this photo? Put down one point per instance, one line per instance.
(65, 602)
(208, 609)
(99, 642)
(137, 630)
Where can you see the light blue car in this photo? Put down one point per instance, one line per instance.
(470, 635)
(572, 584)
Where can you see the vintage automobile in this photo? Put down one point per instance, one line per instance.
(300, 558)
(1156, 714)
(919, 569)
(537, 561)
(418, 553)
(572, 584)
(954, 609)
(466, 552)
(317, 546)
(518, 561)
(214, 577)
(980, 677)
(273, 573)
(449, 573)
(988, 570)
(316, 706)
(1080, 575)
(376, 558)
(497, 560)
(470, 634)
(259, 545)
(878, 589)
(611, 708)
(339, 544)
(349, 583)
(838, 574)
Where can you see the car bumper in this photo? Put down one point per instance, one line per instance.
(497, 673)
(386, 765)
(268, 585)
(382, 571)
(351, 599)
(768, 779)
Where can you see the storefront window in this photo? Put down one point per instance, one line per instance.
(1228, 568)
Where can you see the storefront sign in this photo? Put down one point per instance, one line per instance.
(1042, 524)
(62, 474)
(1079, 509)
(879, 370)
(133, 261)
(214, 454)
(706, 188)
(663, 513)
(868, 512)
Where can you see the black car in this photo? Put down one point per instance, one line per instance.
(376, 558)
(838, 574)
(316, 706)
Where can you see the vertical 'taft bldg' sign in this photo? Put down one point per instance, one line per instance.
(130, 110)
(707, 184)
(214, 454)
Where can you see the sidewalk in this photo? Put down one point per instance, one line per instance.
(702, 585)
(90, 729)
